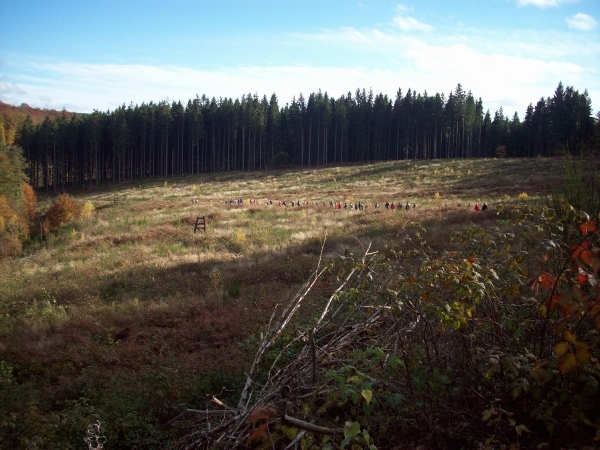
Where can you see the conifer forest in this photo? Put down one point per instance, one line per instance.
(252, 133)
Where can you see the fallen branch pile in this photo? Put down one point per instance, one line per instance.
(300, 382)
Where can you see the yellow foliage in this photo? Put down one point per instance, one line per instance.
(29, 201)
(523, 196)
(7, 215)
(240, 236)
(9, 124)
(87, 210)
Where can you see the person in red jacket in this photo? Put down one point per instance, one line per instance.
(477, 207)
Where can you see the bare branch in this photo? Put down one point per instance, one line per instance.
(311, 427)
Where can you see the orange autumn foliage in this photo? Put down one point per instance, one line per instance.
(29, 201)
(12, 229)
(63, 210)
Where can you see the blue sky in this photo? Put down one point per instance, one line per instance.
(99, 54)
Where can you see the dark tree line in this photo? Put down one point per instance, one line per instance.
(210, 135)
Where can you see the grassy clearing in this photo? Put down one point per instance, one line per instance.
(127, 317)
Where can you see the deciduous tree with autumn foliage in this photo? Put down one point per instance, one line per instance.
(17, 201)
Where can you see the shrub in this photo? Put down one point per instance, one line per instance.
(87, 210)
(581, 188)
(63, 210)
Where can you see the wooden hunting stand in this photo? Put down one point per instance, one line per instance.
(200, 224)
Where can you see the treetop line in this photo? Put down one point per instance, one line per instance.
(210, 135)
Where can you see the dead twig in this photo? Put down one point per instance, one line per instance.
(312, 427)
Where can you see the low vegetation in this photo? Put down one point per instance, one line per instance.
(437, 326)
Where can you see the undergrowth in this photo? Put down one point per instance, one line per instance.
(491, 343)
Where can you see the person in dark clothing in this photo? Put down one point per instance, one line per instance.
(484, 207)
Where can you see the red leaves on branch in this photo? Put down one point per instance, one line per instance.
(261, 414)
(545, 280)
(257, 434)
(577, 249)
(259, 419)
(588, 227)
(576, 299)
(582, 278)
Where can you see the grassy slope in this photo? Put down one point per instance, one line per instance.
(129, 315)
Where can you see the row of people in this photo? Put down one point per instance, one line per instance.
(399, 205)
(241, 201)
(346, 205)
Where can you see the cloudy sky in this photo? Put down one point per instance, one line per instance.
(98, 54)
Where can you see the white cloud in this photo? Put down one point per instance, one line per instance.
(499, 79)
(542, 3)
(349, 35)
(581, 21)
(407, 23)
(9, 91)
(527, 66)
